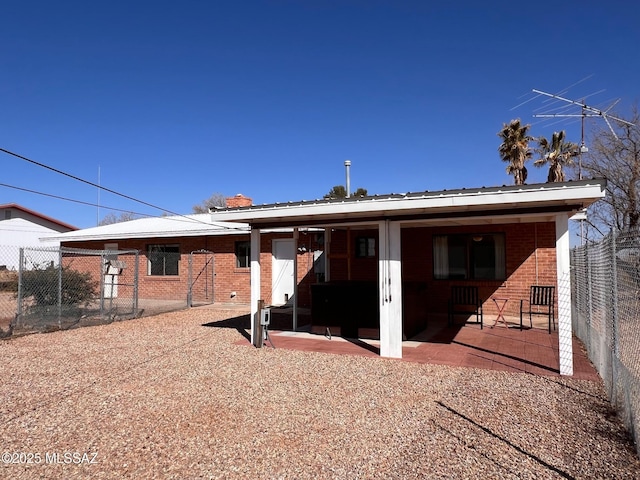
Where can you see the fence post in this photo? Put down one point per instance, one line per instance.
(190, 284)
(102, 275)
(589, 294)
(614, 296)
(59, 288)
(135, 283)
(20, 262)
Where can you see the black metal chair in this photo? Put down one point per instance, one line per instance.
(464, 300)
(541, 302)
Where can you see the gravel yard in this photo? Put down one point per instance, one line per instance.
(165, 397)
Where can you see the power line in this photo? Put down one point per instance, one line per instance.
(70, 199)
(21, 157)
(183, 218)
(100, 187)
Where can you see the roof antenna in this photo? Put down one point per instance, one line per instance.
(593, 112)
(585, 111)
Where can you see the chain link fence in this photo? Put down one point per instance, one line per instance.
(606, 317)
(61, 288)
(9, 257)
(45, 289)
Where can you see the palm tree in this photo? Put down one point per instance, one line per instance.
(557, 153)
(515, 149)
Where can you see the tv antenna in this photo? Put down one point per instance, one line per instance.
(585, 111)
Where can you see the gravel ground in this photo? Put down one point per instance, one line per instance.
(165, 397)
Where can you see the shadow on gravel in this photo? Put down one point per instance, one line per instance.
(488, 431)
(279, 321)
(512, 357)
(241, 323)
(575, 389)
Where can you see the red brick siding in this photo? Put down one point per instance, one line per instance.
(530, 249)
(228, 278)
(530, 259)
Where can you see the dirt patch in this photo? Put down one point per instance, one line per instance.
(8, 280)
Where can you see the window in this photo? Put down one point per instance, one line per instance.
(365, 247)
(473, 257)
(7, 214)
(163, 259)
(243, 254)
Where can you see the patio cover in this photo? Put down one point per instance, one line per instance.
(470, 206)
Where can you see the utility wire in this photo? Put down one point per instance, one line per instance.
(72, 200)
(186, 217)
(21, 157)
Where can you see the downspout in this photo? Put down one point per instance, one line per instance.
(295, 279)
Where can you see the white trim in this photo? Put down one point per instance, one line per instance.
(255, 283)
(494, 199)
(390, 289)
(565, 335)
(295, 279)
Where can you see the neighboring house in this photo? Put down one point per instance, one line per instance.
(190, 253)
(21, 227)
(397, 256)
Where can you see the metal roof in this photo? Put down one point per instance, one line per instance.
(535, 200)
(476, 205)
(155, 227)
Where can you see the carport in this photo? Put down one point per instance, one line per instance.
(550, 203)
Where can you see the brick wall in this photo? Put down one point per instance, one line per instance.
(530, 259)
(223, 276)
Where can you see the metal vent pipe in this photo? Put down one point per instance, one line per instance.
(347, 166)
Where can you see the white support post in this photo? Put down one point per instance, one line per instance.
(295, 279)
(565, 334)
(255, 285)
(390, 289)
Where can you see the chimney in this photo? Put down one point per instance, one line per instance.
(239, 201)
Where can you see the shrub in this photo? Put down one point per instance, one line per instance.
(42, 284)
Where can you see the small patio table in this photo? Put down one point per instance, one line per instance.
(501, 304)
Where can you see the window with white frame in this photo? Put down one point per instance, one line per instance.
(163, 260)
(469, 257)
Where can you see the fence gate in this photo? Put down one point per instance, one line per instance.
(201, 276)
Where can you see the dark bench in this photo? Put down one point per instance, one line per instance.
(464, 300)
(541, 302)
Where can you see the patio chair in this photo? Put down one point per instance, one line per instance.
(541, 302)
(464, 300)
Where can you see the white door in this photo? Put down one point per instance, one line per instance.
(282, 285)
(110, 281)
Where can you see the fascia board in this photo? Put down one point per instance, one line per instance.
(458, 200)
(138, 235)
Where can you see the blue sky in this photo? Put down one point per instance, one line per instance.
(174, 101)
